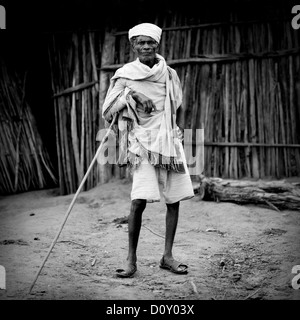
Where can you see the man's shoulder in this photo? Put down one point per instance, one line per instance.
(125, 70)
(172, 73)
(127, 65)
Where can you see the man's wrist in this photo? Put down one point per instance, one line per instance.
(131, 93)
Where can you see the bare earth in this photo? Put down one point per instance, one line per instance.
(233, 252)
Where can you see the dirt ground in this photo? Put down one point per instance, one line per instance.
(233, 252)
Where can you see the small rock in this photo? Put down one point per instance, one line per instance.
(222, 262)
(32, 214)
(211, 230)
(273, 268)
(238, 261)
(121, 220)
(236, 276)
(36, 238)
(215, 230)
(249, 287)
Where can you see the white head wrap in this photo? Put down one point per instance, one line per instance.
(146, 29)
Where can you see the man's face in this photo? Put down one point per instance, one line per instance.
(146, 48)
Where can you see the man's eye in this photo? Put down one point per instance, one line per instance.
(142, 43)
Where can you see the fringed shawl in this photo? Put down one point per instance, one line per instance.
(154, 137)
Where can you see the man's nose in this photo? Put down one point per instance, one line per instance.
(146, 46)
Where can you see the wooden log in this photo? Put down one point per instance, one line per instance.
(280, 193)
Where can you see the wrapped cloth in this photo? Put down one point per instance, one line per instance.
(154, 137)
(146, 29)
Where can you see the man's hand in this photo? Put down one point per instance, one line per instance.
(143, 102)
(179, 133)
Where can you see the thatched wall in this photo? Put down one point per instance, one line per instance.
(24, 161)
(240, 81)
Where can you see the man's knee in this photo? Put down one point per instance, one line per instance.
(138, 204)
(174, 205)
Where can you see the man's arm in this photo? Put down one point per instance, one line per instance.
(143, 102)
(116, 100)
(179, 118)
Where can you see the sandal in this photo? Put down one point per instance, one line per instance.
(121, 273)
(174, 266)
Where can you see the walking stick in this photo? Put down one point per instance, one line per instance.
(73, 201)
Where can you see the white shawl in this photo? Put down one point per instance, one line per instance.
(153, 137)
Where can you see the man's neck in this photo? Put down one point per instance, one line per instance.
(151, 63)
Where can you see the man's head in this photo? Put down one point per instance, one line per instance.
(144, 39)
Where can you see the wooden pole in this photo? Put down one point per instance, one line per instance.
(72, 203)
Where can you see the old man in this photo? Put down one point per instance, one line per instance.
(146, 95)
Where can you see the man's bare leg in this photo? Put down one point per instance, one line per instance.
(171, 226)
(134, 226)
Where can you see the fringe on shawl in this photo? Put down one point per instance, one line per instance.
(155, 159)
(132, 160)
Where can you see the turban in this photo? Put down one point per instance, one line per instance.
(146, 29)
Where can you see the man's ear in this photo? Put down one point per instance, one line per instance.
(133, 47)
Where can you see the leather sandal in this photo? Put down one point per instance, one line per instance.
(174, 266)
(121, 273)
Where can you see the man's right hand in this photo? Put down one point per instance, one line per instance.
(143, 102)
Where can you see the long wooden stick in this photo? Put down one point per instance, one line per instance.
(72, 203)
(19, 134)
(75, 88)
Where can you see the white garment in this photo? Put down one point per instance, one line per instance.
(146, 29)
(147, 181)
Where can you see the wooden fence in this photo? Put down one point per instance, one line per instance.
(73, 59)
(240, 80)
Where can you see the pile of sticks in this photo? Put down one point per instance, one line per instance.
(24, 162)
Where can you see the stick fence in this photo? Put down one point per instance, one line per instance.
(241, 80)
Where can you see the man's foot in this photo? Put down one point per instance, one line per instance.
(129, 272)
(173, 265)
